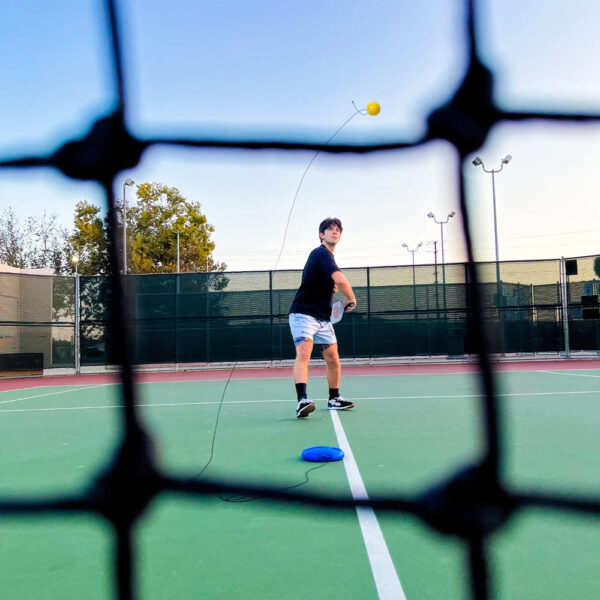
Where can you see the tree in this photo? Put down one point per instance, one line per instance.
(47, 244)
(12, 240)
(89, 240)
(40, 243)
(152, 226)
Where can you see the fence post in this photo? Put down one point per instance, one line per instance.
(369, 312)
(77, 327)
(176, 319)
(564, 303)
(271, 315)
(207, 309)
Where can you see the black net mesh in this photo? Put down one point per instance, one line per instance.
(484, 306)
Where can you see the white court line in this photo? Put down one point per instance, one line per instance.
(263, 378)
(274, 401)
(386, 579)
(569, 374)
(54, 386)
(52, 393)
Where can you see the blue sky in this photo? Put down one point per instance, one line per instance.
(274, 68)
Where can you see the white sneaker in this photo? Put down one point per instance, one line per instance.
(304, 408)
(339, 404)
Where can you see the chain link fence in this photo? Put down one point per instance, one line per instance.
(237, 317)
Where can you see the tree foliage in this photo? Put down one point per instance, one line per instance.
(153, 222)
(48, 246)
(88, 240)
(38, 243)
(160, 215)
(13, 250)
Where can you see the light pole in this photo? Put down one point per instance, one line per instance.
(413, 271)
(179, 226)
(441, 224)
(479, 163)
(127, 182)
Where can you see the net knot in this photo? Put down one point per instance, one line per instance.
(466, 120)
(125, 488)
(106, 150)
(470, 504)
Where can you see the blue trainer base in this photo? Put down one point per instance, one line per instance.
(322, 454)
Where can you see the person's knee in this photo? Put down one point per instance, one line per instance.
(330, 353)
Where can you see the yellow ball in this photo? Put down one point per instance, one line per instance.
(373, 108)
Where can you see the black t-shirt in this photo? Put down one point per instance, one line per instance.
(316, 290)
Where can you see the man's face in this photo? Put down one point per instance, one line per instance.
(331, 235)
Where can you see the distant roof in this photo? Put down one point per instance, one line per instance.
(8, 269)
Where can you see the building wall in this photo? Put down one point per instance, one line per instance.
(26, 299)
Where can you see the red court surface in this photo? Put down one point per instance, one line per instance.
(241, 372)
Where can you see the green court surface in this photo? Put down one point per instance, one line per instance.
(406, 433)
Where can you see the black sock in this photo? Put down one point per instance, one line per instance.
(301, 390)
(334, 393)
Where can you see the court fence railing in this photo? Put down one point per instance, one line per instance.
(529, 307)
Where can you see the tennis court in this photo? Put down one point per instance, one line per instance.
(412, 426)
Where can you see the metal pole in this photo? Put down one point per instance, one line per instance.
(369, 315)
(177, 232)
(413, 274)
(124, 231)
(443, 258)
(498, 283)
(495, 220)
(443, 262)
(127, 182)
(414, 281)
(437, 295)
(496, 239)
(441, 223)
(176, 321)
(477, 162)
(207, 308)
(271, 316)
(77, 325)
(564, 300)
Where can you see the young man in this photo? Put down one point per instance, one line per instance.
(310, 315)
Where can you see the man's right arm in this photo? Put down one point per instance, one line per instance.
(344, 286)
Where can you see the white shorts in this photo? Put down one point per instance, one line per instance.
(305, 327)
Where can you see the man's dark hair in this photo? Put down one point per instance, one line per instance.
(327, 223)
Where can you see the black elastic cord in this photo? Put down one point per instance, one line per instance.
(212, 446)
(289, 487)
(212, 453)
